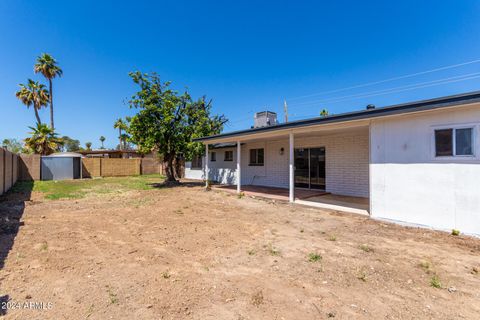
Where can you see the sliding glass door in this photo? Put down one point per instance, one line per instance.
(310, 168)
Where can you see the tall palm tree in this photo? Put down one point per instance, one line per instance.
(120, 125)
(88, 145)
(102, 140)
(44, 140)
(33, 94)
(47, 66)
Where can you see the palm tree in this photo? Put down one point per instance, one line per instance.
(102, 140)
(33, 94)
(88, 145)
(44, 140)
(124, 137)
(47, 66)
(120, 125)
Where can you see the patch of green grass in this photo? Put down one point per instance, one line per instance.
(241, 195)
(112, 296)
(273, 251)
(332, 238)
(76, 189)
(251, 252)
(362, 276)
(366, 248)
(44, 246)
(314, 257)
(435, 282)
(455, 232)
(426, 266)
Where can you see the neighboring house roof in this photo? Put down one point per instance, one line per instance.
(416, 106)
(84, 152)
(64, 155)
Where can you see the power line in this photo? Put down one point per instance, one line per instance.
(387, 80)
(368, 93)
(407, 89)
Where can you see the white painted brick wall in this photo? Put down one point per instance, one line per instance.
(347, 163)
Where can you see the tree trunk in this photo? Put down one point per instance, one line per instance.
(36, 114)
(51, 106)
(170, 168)
(120, 138)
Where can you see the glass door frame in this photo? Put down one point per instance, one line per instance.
(309, 168)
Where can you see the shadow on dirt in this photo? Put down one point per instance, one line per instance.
(12, 206)
(169, 184)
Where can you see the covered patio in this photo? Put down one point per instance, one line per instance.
(314, 198)
(324, 166)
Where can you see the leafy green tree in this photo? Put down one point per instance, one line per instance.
(33, 94)
(44, 140)
(102, 140)
(12, 145)
(88, 145)
(70, 145)
(167, 121)
(48, 67)
(324, 113)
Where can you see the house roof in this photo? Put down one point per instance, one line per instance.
(416, 106)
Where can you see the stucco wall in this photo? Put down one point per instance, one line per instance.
(409, 184)
(347, 159)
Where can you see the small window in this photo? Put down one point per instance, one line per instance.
(197, 162)
(256, 157)
(463, 142)
(443, 143)
(213, 156)
(228, 156)
(454, 142)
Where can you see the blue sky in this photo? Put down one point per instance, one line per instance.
(245, 55)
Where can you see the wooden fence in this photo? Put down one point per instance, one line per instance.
(8, 170)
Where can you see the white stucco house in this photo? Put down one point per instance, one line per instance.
(416, 163)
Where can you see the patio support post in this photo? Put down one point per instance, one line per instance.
(291, 168)
(206, 165)
(239, 176)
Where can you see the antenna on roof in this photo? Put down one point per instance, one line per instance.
(285, 109)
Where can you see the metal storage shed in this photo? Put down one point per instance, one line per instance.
(61, 166)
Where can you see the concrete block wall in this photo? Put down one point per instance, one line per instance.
(8, 170)
(106, 167)
(29, 167)
(91, 167)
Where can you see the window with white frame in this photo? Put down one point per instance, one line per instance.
(454, 142)
(256, 157)
(197, 162)
(228, 156)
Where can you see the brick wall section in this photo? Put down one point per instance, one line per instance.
(8, 170)
(29, 167)
(347, 163)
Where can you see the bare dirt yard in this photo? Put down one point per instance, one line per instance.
(124, 248)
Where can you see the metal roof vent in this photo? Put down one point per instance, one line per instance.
(370, 107)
